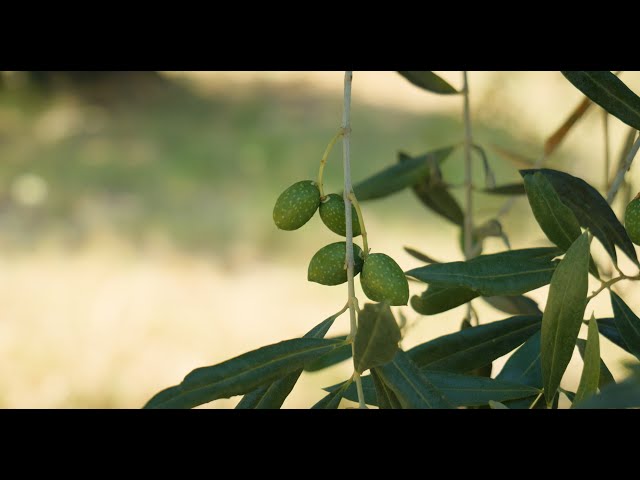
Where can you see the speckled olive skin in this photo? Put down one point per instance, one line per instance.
(332, 214)
(327, 265)
(632, 220)
(296, 205)
(383, 280)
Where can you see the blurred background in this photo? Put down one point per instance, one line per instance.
(136, 231)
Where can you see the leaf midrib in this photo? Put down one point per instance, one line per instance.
(250, 370)
(610, 94)
(374, 331)
(479, 345)
(411, 384)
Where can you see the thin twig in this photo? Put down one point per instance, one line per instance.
(611, 282)
(617, 181)
(363, 229)
(346, 152)
(323, 162)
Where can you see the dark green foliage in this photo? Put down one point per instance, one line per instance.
(454, 370)
(439, 298)
(377, 337)
(507, 273)
(475, 347)
(608, 91)
(429, 81)
(628, 324)
(515, 305)
(400, 176)
(591, 210)
(242, 374)
(563, 313)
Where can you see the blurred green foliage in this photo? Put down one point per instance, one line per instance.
(203, 171)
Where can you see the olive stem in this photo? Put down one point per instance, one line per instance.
(323, 162)
(535, 402)
(624, 168)
(468, 178)
(363, 230)
(610, 282)
(346, 155)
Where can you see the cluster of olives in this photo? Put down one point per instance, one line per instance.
(381, 277)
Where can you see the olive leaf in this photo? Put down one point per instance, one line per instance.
(429, 81)
(507, 273)
(591, 209)
(591, 371)
(273, 395)
(563, 313)
(608, 91)
(377, 337)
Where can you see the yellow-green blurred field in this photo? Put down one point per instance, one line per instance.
(135, 221)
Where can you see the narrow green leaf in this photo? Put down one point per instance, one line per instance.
(377, 337)
(460, 390)
(489, 177)
(439, 298)
(608, 91)
(497, 405)
(471, 390)
(628, 324)
(330, 359)
(591, 210)
(368, 388)
(625, 394)
(524, 366)
(514, 305)
(385, 398)
(557, 220)
(244, 373)
(507, 189)
(400, 176)
(563, 314)
(506, 273)
(609, 330)
(439, 200)
(435, 195)
(332, 400)
(591, 371)
(570, 395)
(429, 81)
(475, 347)
(605, 377)
(273, 395)
(419, 255)
(411, 387)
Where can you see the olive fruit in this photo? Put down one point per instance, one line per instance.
(296, 205)
(383, 280)
(333, 215)
(632, 220)
(327, 265)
